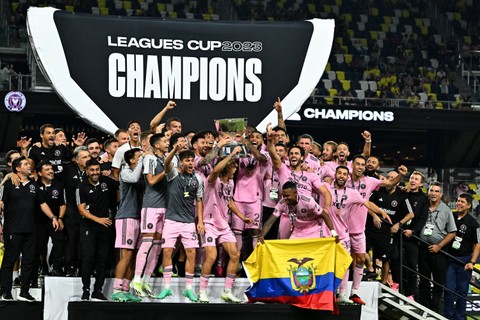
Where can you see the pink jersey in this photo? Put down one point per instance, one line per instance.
(216, 198)
(312, 161)
(325, 171)
(205, 170)
(343, 201)
(249, 186)
(365, 186)
(270, 184)
(306, 181)
(303, 216)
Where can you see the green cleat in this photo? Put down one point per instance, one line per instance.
(119, 297)
(131, 297)
(190, 295)
(229, 297)
(147, 289)
(166, 292)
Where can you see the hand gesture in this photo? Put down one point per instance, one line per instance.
(80, 140)
(248, 221)
(278, 105)
(367, 135)
(236, 150)
(224, 140)
(159, 128)
(403, 170)
(377, 222)
(104, 221)
(23, 143)
(386, 217)
(170, 105)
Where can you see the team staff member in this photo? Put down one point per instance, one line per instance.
(19, 204)
(465, 247)
(439, 230)
(54, 195)
(96, 199)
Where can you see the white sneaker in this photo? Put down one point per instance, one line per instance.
(202, 297)
(228, 296)
(343, 298)
(147, 290)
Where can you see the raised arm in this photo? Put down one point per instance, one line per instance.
(214, 152)
(276, 160)
(222, 164)
(156, 120)
(402, 172)
(367, 147)
(256, 153)
(278, 107)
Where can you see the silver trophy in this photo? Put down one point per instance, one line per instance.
(235, 128)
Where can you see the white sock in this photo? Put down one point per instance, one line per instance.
(146, 278)
(137, 278)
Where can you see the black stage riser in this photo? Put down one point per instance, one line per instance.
(18, 310)
(182, 311)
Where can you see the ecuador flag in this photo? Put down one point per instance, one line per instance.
(302, 272)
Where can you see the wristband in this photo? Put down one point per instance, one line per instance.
(54, 217)
(333, 233)
(368, 141)
(59, 218)
(400, 223)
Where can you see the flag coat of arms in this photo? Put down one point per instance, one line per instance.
(301, 272)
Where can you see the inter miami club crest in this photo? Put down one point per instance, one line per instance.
(302, 276)
(15, 101)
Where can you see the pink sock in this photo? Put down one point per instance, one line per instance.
(342, 288)
(357, 277)
(167, 275)
(204, 282)
(142, 255)
(117, 284)
(229, 281)
(188, 280)
(126, 285)
(152, 258)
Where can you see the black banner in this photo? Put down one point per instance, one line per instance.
(113, 69)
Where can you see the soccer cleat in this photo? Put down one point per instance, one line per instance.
(356, 299)
(137, 288)
(25, 296)
(166, 292)
(202, 297)
(190, 295)
(229, 296)
(131, 297)
(147, 290)
(343, 299)
(119, 297)
(98, 296)
(7, 296)
(370, 275)
(86, 295)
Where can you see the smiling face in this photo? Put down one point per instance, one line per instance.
(415, 182)
(295, 157)
(342, 152)
(290, 196)
(187, 165)
(435, 194)
(341, 177)
(93, 173)
(256, 139)
(134, 131)
(462, 205)
(46, 173)
(48, 137)
(358, 167)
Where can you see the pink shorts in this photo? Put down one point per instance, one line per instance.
(152, 220)
(346, 244)
(187, 232)
(212, 234)
(306, 233)
(358, 242)
(284, 227)
(251, 210)
(128, 233)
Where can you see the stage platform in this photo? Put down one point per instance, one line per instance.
(216, 311)
(63, 294)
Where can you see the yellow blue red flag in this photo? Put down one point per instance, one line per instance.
(302, 272)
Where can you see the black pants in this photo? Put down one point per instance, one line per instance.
(95, 243)
(410, 279)
(431, 265)
(16, 243)
(72, 238)
(44, 231)
(273, 232)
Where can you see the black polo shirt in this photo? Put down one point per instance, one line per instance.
(58, 156)
(73, 178)
(100, 198)
(20, 206)
(54, 195)
(395, 204)
(468, 234)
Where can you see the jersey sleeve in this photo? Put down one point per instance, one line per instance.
(149, 164)
(200, 186)
(80, 195)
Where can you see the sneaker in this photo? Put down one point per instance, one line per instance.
(343, 299)
(411, 297)
(356, 299)
(7, 296)
(131, 297)
(25, 296)
(395, 286)
(166, 292)
(370, 275)
(190, 295)
(147, 290)
(228, 296)
(119, 297)
(98, 296)
(137, 288)
(202, 297)
(17, 282)
(86, 295)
